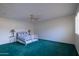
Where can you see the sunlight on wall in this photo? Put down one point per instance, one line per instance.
(77, 23)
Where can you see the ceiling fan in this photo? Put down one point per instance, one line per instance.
(34, 18)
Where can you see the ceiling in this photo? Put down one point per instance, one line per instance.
(43, 11)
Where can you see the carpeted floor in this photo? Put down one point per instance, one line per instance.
(39, 48)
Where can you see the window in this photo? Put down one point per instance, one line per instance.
(77, 23)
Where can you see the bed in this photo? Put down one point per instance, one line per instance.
(25, 38)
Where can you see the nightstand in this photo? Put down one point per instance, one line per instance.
(12, 39)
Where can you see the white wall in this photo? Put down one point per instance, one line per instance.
(60, 29)
(7, 24)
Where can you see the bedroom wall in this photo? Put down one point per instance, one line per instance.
(7, 24)
(59, 29)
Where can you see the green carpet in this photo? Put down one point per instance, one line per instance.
(39, 48)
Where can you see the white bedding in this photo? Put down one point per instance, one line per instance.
(24, 38)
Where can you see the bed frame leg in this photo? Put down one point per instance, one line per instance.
(25, 43)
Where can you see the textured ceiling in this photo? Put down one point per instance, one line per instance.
(43, 11)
